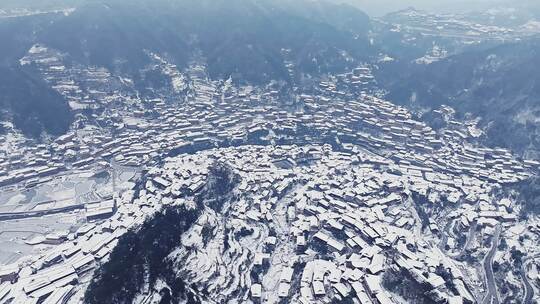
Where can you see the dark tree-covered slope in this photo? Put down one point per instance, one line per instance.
(500, 84)
(140, 258)
(31, 104)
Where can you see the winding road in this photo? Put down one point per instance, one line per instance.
(529, 291)
(492, 296)
(467, 245)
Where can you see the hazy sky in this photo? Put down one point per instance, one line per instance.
(380, 7)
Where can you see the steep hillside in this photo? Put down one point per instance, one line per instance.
(242, 37)
(253, 41)
(31, 104)
(499, 84)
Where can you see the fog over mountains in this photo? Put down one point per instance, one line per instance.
(250, 41)
(237, 38)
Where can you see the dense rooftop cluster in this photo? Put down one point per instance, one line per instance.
(310, 224)
(338, 190)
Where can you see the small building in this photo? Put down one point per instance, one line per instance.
(318, 288)
(286, 275)
(283, 289)
(256, 291)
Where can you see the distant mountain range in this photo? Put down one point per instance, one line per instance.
(382, 7)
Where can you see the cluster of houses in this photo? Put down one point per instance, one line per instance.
(58, 273)
(324, 198)
(326, 229)
(221, 116)
(449, 24)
